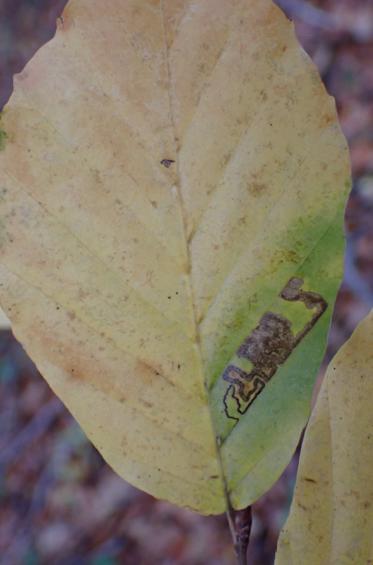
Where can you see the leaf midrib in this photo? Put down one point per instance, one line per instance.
(188, 259)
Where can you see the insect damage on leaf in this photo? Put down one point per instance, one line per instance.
(154, 166)
(267, 348)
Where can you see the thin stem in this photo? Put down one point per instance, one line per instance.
(240, 522)
(230, 520)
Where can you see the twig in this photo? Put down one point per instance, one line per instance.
(240, 522)
(309, 14)
(316, 17)
(230, 519)
(24, 528)
(33, 431)
(243, 522)
(352, 277)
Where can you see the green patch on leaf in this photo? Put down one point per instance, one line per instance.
(3, 136)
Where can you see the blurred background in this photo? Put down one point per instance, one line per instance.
(59, 502)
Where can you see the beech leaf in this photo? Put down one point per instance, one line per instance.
(172, 186)
(331, 517)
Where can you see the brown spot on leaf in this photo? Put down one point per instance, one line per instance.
(257, 188)
(65, 20)
(147, 373)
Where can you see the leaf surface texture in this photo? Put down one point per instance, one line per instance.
(331, 517)
(170, 167)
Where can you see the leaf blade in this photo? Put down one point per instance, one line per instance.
(331, 517)
(180, 159)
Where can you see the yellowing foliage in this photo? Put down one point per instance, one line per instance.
(331, 518)
(172, 183)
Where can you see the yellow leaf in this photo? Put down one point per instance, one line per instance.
(173, 180)
(331, 517)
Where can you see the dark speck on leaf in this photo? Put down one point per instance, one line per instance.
(167, 163)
